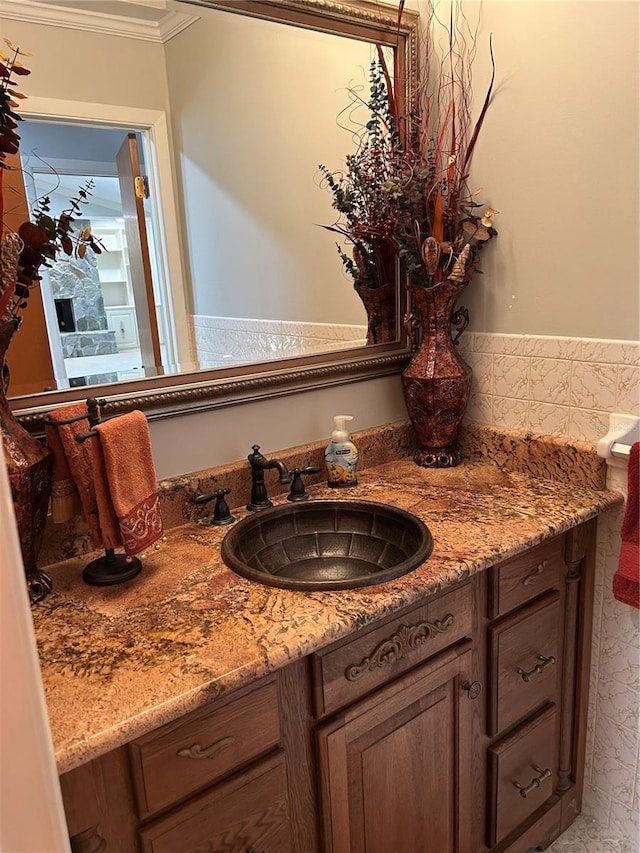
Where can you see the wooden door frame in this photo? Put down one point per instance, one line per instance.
(163, 190)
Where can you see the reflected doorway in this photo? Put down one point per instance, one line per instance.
(93, 324)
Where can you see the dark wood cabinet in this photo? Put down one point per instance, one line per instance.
(454, 726)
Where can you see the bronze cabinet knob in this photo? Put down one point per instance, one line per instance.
(473, 688)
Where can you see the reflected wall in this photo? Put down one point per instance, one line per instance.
(256, 106)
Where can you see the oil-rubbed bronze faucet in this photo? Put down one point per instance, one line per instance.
(259, 464)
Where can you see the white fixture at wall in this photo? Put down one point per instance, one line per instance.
(615, 446)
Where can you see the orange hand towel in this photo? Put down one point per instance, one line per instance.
(109, 525)
(129, 480)
(65, 501)
(72, 469)
(626, 580)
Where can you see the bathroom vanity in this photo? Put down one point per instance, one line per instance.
(195, 710)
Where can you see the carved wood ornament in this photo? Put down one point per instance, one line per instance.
(404, 641)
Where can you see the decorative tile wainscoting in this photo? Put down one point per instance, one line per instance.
(612, 789)
(550, 385)
(568, 387)
(223, 341)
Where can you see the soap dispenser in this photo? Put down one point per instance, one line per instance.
(341, 455)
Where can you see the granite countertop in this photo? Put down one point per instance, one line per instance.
(119, 661)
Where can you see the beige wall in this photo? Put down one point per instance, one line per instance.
(256, 107)
(198, 441)
(558, 157)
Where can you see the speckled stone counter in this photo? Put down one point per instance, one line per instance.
(119, 661)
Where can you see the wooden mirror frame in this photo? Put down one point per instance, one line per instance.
(182, 393)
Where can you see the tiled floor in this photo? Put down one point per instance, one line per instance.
(586, 836)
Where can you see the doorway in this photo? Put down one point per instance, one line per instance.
(93, 320)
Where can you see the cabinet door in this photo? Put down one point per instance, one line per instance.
(248, 813)
(395, 769)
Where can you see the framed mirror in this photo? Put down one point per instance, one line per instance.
(258, 95)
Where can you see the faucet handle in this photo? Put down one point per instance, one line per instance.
(255, 448)
(221, 512)
(298, 491)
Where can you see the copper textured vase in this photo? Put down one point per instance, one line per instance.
(381, 305)
(29, 464)
(437, 381)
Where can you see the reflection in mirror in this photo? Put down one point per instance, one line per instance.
(255, 107)
(252, 129)
(93, 310)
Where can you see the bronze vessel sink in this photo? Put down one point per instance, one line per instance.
(327, 544)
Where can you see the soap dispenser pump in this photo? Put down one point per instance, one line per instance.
(341, 455)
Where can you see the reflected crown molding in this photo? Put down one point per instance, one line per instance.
(144, 20)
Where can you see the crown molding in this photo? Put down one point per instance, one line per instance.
(53, 15)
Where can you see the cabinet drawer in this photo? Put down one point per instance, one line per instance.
(524, 577)
(524, 662)
(343, 674)
(522, 774)
(250, 812)
(182, 757)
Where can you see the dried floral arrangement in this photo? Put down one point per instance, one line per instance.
(404, 191)
(37, 241)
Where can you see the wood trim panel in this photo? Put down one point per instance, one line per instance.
(296, 720)
(250, 809)
(538, 832)
(350, 744)
(100, 806)
(480, 739)
(581, 545)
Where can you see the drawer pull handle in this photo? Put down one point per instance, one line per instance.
(405, 640)
(534, 783)
(533, 577)
(538, 668)
(197, 751)
(473, 688)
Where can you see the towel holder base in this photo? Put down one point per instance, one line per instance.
(111, 569)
